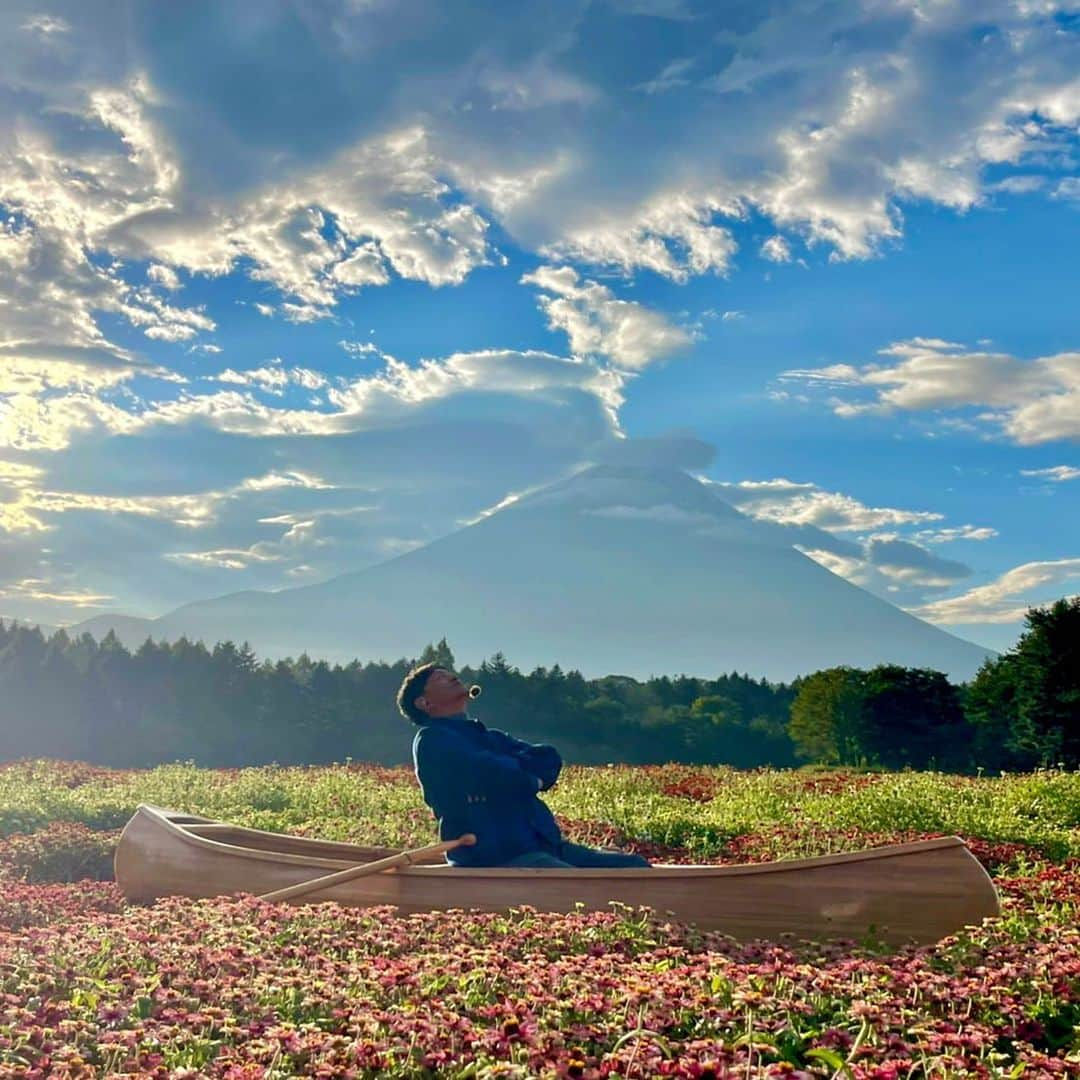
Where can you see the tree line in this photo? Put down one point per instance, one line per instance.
(98, 701)
(1021, 711)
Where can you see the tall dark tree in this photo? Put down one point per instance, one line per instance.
(990, 706)
(1029, 698)
(913, 717)
(1048, 676)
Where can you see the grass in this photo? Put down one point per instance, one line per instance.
(383, 806)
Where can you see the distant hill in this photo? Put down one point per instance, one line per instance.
(628, 570)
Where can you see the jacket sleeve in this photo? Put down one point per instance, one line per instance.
(544, 762)
(440, 754)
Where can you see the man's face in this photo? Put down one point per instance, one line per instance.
(443, 695)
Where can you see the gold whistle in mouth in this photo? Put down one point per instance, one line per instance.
(475, 691)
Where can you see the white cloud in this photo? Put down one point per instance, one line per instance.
(671, 76)
(1058, 474)
(900, 582)
(49, 423)
(18, 473)
(1007, 599)
(822, 117)
(792, 503)
(360, 348)
(899, 568)
(122, 189)
(333, 230)
(28, 422)
(164, 276)
(364, 266)
(597, 323)
(959, 532)
(1020, 185)
(776, 249)
(30, 511)
(225, 558)
(274, 379)
(40, 590)
(46, 25)
(1029, 401)
(535, 86)
(291, 478)
(673, 235)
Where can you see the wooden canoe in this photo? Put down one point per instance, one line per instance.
(902, 893)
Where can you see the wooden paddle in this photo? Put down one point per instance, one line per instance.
(402, 858)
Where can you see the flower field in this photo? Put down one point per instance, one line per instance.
(93, 987)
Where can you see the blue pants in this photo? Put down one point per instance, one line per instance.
(567, 854)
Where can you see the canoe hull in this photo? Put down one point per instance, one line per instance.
(910, 893)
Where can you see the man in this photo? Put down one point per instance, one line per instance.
(487, 782)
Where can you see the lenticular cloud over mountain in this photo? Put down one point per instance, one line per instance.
(618, 569)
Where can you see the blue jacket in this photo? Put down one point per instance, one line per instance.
(486, 782)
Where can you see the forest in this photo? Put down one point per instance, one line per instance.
(78, 698)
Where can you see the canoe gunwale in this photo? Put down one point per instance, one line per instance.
(175, 826)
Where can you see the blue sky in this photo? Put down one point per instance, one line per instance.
(288, 289)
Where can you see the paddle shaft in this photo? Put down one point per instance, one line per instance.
(402, 858)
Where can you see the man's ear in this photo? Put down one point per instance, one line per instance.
(421, 703)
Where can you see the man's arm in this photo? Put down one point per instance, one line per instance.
(544, 762)
(444, 755)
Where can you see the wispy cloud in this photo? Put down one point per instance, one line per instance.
(1058, 474)
(804, 503)
(879, 548)
(1029, 401)
(1007, 599)
(274, 379)
(40, 590)
(34, 505)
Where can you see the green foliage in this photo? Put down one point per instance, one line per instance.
(440, 654)
(828, 720)
(990, 706)
(913, 718)
(1021, 711)
(1026, 705)
(805, 813)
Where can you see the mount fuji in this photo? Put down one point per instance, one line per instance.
(615, 570)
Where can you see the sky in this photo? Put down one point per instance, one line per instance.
(288, 289)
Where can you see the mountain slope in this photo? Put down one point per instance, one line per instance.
(616, 570)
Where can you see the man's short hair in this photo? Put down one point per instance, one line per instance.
(412, 687)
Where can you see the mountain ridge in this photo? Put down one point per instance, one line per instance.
(616, 568)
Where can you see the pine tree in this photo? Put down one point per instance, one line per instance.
(439, 654)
